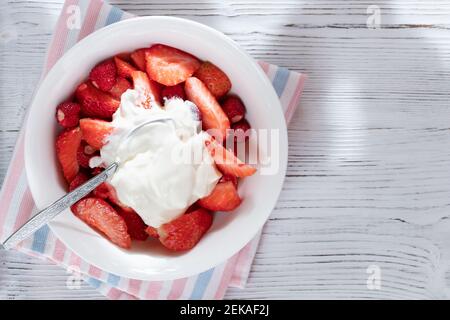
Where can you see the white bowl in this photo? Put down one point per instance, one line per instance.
(230, 231)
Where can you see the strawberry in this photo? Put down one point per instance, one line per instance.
(98, 214)
(97, 170)
(229, 177)
(67, 145)
(226, 161)
(184, 232)
(233, 108)
(85, 153)
(68, 114)
(224, 197)
(152, 232)
(103, 75)
(119, 88)
(79, 179)
(108, 192)
(125, 56)
(138, 57)
(96, 103)
(169, 66)
(135, 225)
(95, 131)
(124, 69)
(215, 79)
(149, 88)
(241, 130)
(213, 116)
(174, 91)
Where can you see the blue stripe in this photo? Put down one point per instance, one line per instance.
(94, 282)
(280, 80)
(201, 284)
(113, 280)
(40, 239)
(114, 15)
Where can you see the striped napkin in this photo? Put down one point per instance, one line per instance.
(17, 206)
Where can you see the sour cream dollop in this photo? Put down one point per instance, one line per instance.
(163, 167)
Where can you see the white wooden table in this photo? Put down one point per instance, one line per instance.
(368, 183)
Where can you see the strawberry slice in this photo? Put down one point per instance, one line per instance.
(169, 66)
(173, 91)
(224, 197)
(214, 78)
(213, 116)
(85, 153)
(226, 161)
(95, 131)
(96, 103)
(67, 144)
(233, 108)
(241, 131)
(135, 225)
(138, 57)
(98, 214)
(79, 179)
(124, 69)
(149, 88)
(103, 75)
(107, 192)
(152, 232)
(68, 114)
(120, 87)
(186, 231)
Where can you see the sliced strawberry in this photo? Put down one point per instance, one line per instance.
(169, 66)
(95, 131)
(214, 78)
(135, 225)
(227, 162)
(233, 108)
(229, 177)
(85, 153)
(138, 57)
(79, 179)
(213, 116)
(124, 69)
(241, 130)
(224, 197)
(152, 232)
(96, 103)
(103, 75)
(120, 87)
(98, 214)
(149, 88)
(68, 114)
(97, 170)
(185, 232)
(108, 192)
(125, 56)
(174, 91)
(67, 145)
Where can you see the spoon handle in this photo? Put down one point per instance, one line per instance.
(44, 216)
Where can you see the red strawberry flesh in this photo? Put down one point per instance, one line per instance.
(96, 103)
(95, 131)
(103, 75)
(233, 108)
(214, 78)
(68, 114)
(135, 225)
(98, 214)
(173, 91)
(224, 197)
(67, 144)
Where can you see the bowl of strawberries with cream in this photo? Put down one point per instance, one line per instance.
(182, 199)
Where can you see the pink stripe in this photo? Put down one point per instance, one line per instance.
(177, 289)
(95, 272)
(264, 65)
(25, 209)
(59, 40)
(241, 263)
(295, 98)
(114, 294)
(59, 251)
(91, 19)
(74, 261)
(134, 286)
(12, 177)
(154, 290)
(227, 273)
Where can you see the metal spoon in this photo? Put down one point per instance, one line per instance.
(46, 215)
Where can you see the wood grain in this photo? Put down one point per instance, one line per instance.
(369, 165)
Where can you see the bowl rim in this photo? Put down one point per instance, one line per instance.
(271, 94)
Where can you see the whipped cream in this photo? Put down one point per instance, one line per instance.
(160, 172)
